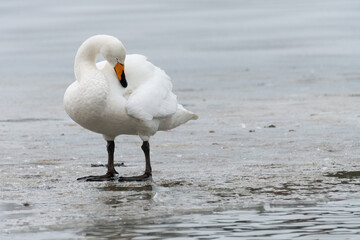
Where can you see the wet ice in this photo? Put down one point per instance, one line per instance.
(240, 66)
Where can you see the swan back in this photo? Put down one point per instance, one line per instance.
(151, 95)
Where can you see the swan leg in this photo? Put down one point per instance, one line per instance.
(148, 173)
(111, 172)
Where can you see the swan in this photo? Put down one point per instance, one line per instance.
(125, 94)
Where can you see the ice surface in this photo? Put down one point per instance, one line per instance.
(240, 65)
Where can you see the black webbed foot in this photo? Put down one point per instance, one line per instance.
(144, 177)
(101, 178)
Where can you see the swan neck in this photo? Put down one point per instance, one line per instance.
(85, 59)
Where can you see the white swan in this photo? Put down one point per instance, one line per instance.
(126, 94)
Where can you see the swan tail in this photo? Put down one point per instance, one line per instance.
(180, 117)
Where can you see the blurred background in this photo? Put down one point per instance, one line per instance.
(197, 42)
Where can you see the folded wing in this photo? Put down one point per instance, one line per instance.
(153, 98)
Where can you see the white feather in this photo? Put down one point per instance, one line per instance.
(153, 98)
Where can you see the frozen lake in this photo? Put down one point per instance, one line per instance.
(274, 155)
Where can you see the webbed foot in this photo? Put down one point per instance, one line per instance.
(144, 177)
(101, 178)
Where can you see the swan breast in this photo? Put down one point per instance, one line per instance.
(85, 101)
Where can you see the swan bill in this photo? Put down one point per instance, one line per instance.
(119, 69)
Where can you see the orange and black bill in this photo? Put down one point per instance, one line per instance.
(119, 69)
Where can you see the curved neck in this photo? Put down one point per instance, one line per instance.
(85, 59)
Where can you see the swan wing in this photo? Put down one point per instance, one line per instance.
(153, 98)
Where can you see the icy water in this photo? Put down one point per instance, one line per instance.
(274, 155)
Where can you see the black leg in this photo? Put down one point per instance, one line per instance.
(111, 149)
(148, 173)
(146, 149)
(111, 172)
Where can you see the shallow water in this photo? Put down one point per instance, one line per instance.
(277, 222)
(273, 155)
(311, 221)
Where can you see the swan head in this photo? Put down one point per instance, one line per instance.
(114, 52)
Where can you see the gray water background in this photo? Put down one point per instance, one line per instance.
(242, 66)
